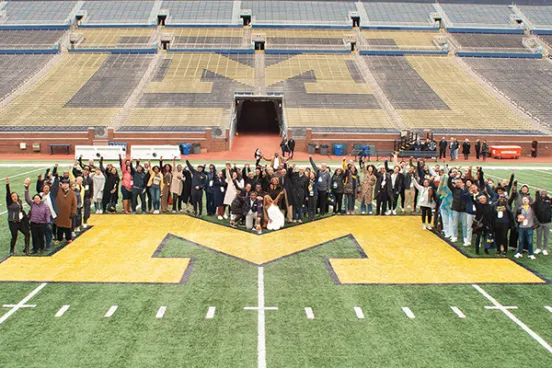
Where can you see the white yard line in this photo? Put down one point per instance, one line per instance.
(211, 313)
(309, 313)
(519, 184)
(543, 172)
(458, 312)
(22, 303)
(111, 311)
(21, 174)
(408, 312)
(27, 165)
(548, 308)
(507, 312)
(359, 313)
(161, 312)
(62, 311)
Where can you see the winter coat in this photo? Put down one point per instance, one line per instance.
(98, 186)
(177, 183)
(296, 196)
(66, 208)
(425, 196)
(219, 190)
(541, 206)
(367, 187)
(231, 189)
(338, 183)
(388, 186)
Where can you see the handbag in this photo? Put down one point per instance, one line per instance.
(488, 240)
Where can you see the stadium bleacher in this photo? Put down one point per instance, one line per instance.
(118, 12)
(200, 12)
(37, 12)
(399, 14)
(312, 39)
(480, 16)
(329, 13)
(526, 82)
(539, 16)
(115, 37)
(413, 40)
(28, 38)
(15, 69)
(206, 38)
(490, 41)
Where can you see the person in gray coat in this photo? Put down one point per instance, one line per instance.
(324, 182)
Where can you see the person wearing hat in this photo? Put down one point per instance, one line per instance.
(39, 217)
(542, 207)
(199, 182)
(66, 202)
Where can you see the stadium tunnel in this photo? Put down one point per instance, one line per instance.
(259, 115)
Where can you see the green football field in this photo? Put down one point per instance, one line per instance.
(287, 313)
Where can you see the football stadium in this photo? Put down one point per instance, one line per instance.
(275, 183)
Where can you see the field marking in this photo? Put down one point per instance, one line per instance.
(501, 307)
(161, 312)
(22, 303)
(62, 311)
(309, 313)
(408, 312)
(111, 311)
(211, 313)
(458, 312)
(359, 313)
(542, 171)
(507, 312)
(21, 174)
(548, 308)
(498, 177)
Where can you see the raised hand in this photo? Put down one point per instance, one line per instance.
(27, 182)
(7, 180)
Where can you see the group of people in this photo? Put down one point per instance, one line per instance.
(275, 191)
(481, 149)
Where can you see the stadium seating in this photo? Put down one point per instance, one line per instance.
(118, 12)
(37, 12)
(300, 12)
(193, 90)
(433, 92)
(479, 16)
(400, 40)
(115, 37)
(15, 69)
(81, 90)
(28, 38)
(539, 16)
(493, 42)
(199, 12)
(305, 39)
(325, 92)
(400, 14)
(206, 38)
(528, 83)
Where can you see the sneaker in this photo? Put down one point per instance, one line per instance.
(363, 213)
(85, 226)
(70, 241)
(537, 251)
(220, 217)
(259, 232)
(453, 239)
(532, 257)
(387, 213)
(101, 212)
(424, 227)
(73, 234)
(173, 211)
(518, 255)
(181, 211)
(466, 244)
(370, 212)
(225, 217)
(545, 252)
(394, 212)
(429, 227)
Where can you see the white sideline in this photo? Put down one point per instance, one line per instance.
(22, 303)
(111, 311)
(211, 313)
(408, 312)
(507, 312)
(21, 174)
(458, 312)
(359, 313)
(161, 312)
(62, 310)
(309, 313)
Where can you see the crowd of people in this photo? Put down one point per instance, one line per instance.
(276, 191)
(453, 148)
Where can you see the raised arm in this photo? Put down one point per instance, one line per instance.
(8, 193)
(27, 198)
(314, 167)
(509, 186)
(190, 167)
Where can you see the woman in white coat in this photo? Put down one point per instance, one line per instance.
(231, 189)
(426, 202)
(98, 184)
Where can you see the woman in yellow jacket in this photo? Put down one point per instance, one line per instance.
(155, 185)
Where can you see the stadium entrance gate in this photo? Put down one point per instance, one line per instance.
(259, 115)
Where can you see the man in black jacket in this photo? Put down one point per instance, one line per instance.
(253, 212)
(397, 185)
(443, 148)
(543, 212)
(199, 182)
(477, 149)
(291, 147)
(456, 186)
(384, 191)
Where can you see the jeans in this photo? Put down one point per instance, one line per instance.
(446, 216)
(298, 213)
(364, 206)
(155, 196)
(467, 228)
(86, 209)
(525, 235)
(543, 231)
(138, 192)
(456, 218)
(49, 232)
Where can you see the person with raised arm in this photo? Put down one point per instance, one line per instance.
(39, 218)
(155, 185)
(18, 220)
(126, 183)
(199, 182)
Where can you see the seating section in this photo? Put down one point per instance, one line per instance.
(494, 42)
(198, 12)
(300, 12)
(547, 39)
(305, 39)
(469, 106)
(117, 12)
(115, 37)
(26, 38)
(389, 40)
(193, 90)
(44, 105)
(539, 16)
(37, 12)
(403, 14)
(326, 92)
(479, 15)
(15, 69)
(526, 82)
(201, 38)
